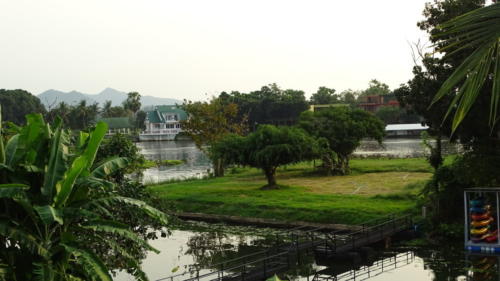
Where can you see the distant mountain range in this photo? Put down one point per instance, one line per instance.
(51, 98)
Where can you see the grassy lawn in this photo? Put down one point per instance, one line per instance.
(376, 187)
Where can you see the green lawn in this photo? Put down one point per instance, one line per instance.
(376, 187)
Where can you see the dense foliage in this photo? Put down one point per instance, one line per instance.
(267, 148)
(82, 115)
(437, 77)
(396, 114)
(342, 129)
(269, 105)
(17, 103)
(479, 73)
(113, 111)
(376, 88)
(211, 121)
(133, 102)
(325, 95)
(418, 94)
(76, 117)
(56, 207)
(119, 145)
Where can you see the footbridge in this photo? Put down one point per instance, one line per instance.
(326, 243)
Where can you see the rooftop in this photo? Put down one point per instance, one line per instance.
(156, 115)
(405, 127)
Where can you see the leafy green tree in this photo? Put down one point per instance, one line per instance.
(76, 117)
(389, 114)
(145, 227)
(418, 94)
(479, 32)
(269, 105)
(17, 103)
(62, 111)
(113, 111)
(55, 204)
(376, 88)
(106, 109)
(343, 128)
(140, 118)
(350, 96)
(267, 148)
(119, 145)
(325, 95)
(82, 115)
(209, 122)
(133, 102)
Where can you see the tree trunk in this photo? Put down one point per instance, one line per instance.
(436, 157)
(270, 173)
(328, 164)
(218, 167)
(342, 166)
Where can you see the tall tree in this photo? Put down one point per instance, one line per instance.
(209, 122)
(267, 148)
(82, 115)
(140, 118)
(113, 111)
(269, 105)
(389, 114)
(418, 94)
(106, 109)
(325, 95)
(17, 103)
(376, 88)
(350, 96)
(343, 128)
(479, 32)
(76, 117)
(133, 102)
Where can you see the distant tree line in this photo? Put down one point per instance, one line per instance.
(268, 105)
(18, 103)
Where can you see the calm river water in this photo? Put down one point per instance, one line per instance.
(195, 246)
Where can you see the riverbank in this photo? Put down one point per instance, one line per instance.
(376, 187)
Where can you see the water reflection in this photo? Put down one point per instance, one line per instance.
(483, 268)
(194, 248)
(196, 162)
(401, 147)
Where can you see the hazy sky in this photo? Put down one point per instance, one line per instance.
(187, 49)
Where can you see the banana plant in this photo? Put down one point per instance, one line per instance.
(55, 202)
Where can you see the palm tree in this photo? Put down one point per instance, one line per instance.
(55, 206)
(106, 109)
(478, 30)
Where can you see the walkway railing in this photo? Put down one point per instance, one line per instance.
(262, 264)
(365, 272)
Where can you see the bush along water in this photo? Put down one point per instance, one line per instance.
(443, 194)
(57, 207)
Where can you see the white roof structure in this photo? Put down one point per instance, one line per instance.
(406, 127)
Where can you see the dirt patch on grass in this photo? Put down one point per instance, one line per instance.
(365, 184)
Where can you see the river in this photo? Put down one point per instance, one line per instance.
(195, 246)
(197, 163)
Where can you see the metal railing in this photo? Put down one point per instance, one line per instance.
(299, 238)
(398, 260)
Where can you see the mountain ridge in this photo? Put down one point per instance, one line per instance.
(52, 98)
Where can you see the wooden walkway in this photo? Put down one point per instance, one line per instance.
(264, 264)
